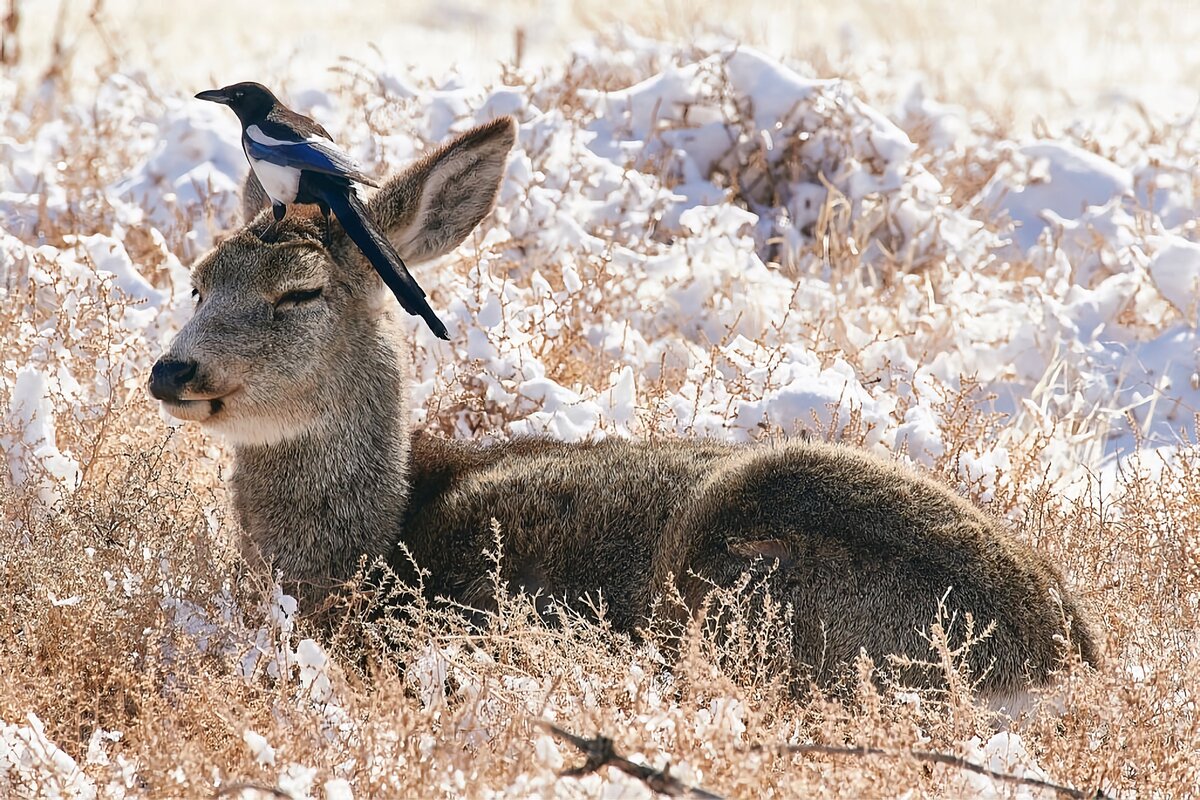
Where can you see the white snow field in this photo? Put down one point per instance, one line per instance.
(691, 240)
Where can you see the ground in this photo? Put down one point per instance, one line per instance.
(959, 235)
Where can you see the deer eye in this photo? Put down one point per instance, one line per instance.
(297, 297)
(196, 296)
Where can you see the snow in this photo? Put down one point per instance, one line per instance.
(314, 671)
(28, 757)
(195, 160)
(675, 227)
(297, 780)
(36, 457)
(263, 752)
(1060, 178)
(775, 89)
(338, 789)
(1175, 271)
(1003, 752)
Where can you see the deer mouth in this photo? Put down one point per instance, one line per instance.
(195, 409)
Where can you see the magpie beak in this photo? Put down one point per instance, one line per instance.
(214, 96)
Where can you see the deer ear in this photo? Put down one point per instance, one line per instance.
(431, 207)
(254, 198)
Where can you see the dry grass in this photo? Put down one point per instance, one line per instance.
(131, 631)
(135, 544)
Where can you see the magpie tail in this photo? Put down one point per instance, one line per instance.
(357, 223)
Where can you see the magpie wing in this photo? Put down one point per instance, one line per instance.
(313, 154)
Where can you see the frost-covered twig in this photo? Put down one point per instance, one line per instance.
(600, 753)
(233, 789)
(934, 757)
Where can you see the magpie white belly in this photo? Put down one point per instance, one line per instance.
(280, 183)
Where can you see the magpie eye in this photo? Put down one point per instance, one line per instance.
(238, 95)
(297, 297)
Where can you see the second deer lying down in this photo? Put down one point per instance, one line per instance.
(294, 354)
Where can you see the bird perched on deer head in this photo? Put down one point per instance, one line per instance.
(296, 161)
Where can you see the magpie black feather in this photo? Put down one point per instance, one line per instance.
(343, 201)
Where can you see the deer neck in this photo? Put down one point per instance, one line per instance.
(315, 505)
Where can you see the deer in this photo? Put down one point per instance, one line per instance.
(296, 358)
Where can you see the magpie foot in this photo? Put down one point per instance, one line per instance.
(270, 234)
(327, 237)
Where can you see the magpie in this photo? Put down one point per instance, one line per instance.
(296, 161)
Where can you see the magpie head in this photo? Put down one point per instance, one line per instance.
(250, 101)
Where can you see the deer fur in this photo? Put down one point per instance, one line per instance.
(314, 399)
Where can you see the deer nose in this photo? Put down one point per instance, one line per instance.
(168, 378)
